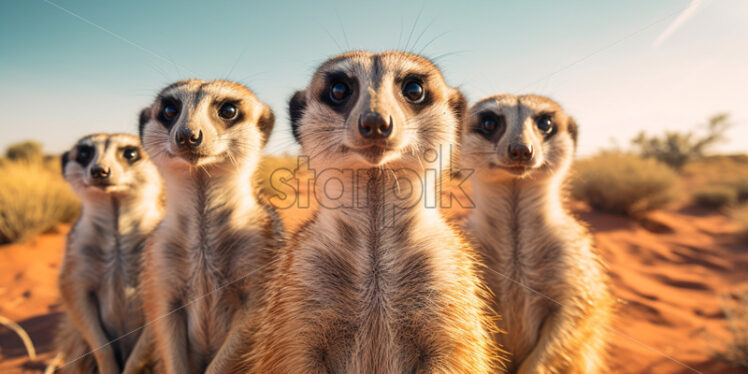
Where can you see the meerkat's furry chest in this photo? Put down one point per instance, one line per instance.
(524, 254)
(113, 265)
(210, 250)
(374, 297)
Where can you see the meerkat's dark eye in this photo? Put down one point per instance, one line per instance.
(489, 123)
(84, 154)
(339, 91)
(413, 91)
(228, 111)
(544, 123)
(131, 154)
(169, 111)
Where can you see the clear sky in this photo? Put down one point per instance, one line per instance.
(68, 68)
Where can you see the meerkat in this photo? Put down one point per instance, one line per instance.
(203, 266)
(366, 286)
(121, 193)
(550, 285)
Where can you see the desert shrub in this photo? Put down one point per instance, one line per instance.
(268, 165)
(741, 190)
(740, 214)
(736, 311)
(33, 200)
(677, 148)
(29, 151)
(715, 197)
(624, 183)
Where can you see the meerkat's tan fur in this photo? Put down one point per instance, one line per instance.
(376, 281)
(205, 260)
(121, 192)
(549, 284)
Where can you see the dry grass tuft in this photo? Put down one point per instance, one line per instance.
(624, 183)
(715, 196)
(33, 200)
(740, 214)
(268, 166)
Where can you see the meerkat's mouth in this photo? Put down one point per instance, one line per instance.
(516, 169)
(193, 158)
(106, 186)
(374, 154)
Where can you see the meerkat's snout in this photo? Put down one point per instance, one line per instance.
(189, 139)
(373, 126)
(100, 172)
(520, 152)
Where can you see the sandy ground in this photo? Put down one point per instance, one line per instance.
(669, 273)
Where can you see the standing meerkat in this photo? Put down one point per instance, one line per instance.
(376, 281)
(121, 192)
(550, 285)
(203, 266)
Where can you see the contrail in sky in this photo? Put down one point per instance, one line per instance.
(686, 15)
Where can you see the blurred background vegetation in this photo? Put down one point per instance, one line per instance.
(672, 170)
(667, 171)
(34, 198)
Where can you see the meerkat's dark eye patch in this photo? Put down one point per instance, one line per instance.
(84, 154)
(170, 109)
(544, 122)
(490, 125)
(131, 154)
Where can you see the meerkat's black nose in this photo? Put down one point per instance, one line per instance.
(99, 172)
(188, 137)
(520, 152)
(372, 125)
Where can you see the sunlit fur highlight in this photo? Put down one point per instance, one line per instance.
(103, 256)
(549, 283)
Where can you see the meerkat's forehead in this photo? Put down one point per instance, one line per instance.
(359, 62)
(197, 90)
(506, 102)
(109, 139)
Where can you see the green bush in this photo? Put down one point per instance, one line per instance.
(715, 197)
(624, 183)
(33, 200)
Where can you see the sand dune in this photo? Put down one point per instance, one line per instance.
(668, 272)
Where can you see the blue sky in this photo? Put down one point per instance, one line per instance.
(617, 67)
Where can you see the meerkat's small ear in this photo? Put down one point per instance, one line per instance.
(573, 130)
(265, 123)
(145, 116)
(296, 107)
(64, 158)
